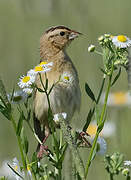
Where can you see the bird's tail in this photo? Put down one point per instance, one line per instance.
(38, 131)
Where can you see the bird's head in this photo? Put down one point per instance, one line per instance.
(58, 37)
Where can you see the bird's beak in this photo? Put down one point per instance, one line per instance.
(74, 34)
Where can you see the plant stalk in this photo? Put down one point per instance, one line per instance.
(100, 121)
(19, 143)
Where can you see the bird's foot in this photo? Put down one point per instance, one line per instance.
(43, 150)
(82, 137)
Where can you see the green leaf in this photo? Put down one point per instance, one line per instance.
(100, 126)
(3, 94)
(116, 78)
(100, 92)
(40, 90)
(3, 178)
(5, 112)
(63, 153)
(103, 71)
(34, 165)
(25, 144)
(20, 124)
(29, 115)
(46, 85)
(89, 92)
(12, 94)
(89, 117)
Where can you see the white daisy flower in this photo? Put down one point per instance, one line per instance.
(121, 41)
(91, 48)
(26, 81)
(107, 131)
(41, 69)
(117, 99)
(66, 77)
(28, 90)
(5, 170)
(126, 172)
(16, 167)
(38, 164)
(18, 97)
(127, 163)
(45, 64)
(29, 171)
(58, 116)
(101, 146)
(31, 73)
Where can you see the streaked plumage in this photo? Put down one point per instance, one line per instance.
(65, 97)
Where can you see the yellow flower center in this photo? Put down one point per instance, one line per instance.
(92, 129)
(26, 79)
(38, 68)
(66, 78)
(43, 63)
(122, 38)
(120, 98)
(28, 168)
(16, 168)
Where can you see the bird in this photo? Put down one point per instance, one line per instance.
(65, 96)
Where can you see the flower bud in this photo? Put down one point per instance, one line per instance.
(101, 38)
(91, 48)
(125, 172)
(107, 35)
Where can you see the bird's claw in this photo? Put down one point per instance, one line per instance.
(82, 136)
(43, 150)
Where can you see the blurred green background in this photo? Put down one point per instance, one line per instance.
(22, 22)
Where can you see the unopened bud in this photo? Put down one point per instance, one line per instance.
(107, 35)
(125, 172)
(101, 38)
(91, 48)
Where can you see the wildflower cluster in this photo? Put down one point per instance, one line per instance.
(114, 51)
(115, 165)
(27, 81)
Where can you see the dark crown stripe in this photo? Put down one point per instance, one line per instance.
(56, 27)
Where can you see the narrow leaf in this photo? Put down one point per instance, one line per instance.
(12, 94)
(25, 144)
(103, 71)
(40, 90)
(5, 112)
(89, 117)
(100, 92)
(89, 92)
(46, 85)
(117, 76)
(20, 124)
(3, 94)
(34, 162)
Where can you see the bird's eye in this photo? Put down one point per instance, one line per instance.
(62, 33)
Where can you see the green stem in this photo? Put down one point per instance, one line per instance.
(97, 52)
(100, 121)
(33, 175)
(111, 177)
(19, 143)
(128, 177)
